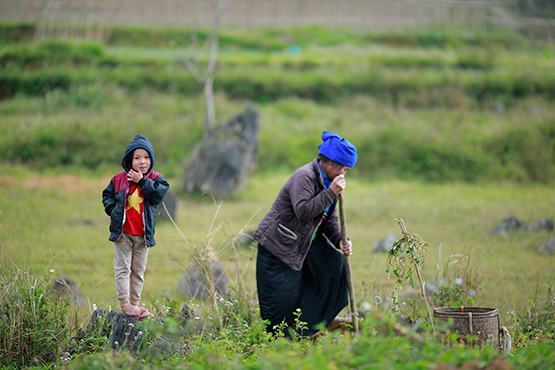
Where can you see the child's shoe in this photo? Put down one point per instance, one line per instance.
(143, 312)
(130, 310)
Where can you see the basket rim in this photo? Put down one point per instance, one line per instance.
(463, 311)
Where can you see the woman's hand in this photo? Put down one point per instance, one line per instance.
(347, 248)
(338, 184)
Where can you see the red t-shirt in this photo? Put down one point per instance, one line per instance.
(134, 224)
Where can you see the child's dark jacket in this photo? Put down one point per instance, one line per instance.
(153, 186)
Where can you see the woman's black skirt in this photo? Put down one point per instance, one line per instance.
(319, 289)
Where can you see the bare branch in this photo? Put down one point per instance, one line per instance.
(191, 66)
(218, 6)
(210, 119)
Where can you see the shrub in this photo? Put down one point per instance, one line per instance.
(51, 53)
(537, 322)
(182, 37)
(524, 154)
(34, 326)
(475, 60)
(32, 83)
(400, 152)
(15, 32)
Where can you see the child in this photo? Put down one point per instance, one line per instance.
(130, 199)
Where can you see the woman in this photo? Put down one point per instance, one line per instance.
(298, 265)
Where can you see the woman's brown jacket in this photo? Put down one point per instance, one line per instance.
(287, 229)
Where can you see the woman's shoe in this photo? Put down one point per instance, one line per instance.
(339, 323)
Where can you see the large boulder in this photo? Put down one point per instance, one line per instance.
(220, 164)
(194, 283)
(64, 287)
(122, 331)
(126, 333)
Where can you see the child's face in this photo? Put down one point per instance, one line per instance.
(141, 161)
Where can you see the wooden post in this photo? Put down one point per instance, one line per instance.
(348, 266)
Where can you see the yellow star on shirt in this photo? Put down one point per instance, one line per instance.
(134, 201)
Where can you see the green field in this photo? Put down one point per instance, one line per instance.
(58, 224)
(54, 225)
(455, 130)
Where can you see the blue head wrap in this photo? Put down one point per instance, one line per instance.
(338, 149)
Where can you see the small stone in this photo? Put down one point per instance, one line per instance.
(385, 244)
(509, 224)
(548, 246)
(244, 239)
(545, 224)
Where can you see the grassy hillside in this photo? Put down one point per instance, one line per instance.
(427, 105)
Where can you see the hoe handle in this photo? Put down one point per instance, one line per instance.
(348, 266)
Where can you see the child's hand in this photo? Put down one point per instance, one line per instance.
(134, 176)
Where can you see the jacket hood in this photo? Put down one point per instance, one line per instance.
(138, 142)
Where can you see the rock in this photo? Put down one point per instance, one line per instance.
(63, 287)
(363, 309)
(433, 286)
(186, 314)
(509, 224)
(220, 164)
(82, 222)
(171, 204)
(193, 283)
(430, 287)
(408, 295)
(545, 224)
(385, 244)
(548, 246)
(244, 240)
(123, 330)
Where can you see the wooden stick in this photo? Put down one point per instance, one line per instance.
(406, 235)
(400, 329)
(423, 291)
(348, 266)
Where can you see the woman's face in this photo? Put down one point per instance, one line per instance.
(333, 169)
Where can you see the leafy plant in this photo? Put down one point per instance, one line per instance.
(405, 258)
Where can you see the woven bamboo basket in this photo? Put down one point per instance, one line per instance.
(476, 325)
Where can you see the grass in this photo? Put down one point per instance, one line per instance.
(438, 106)
(455, 132)
(53, 224)
(58, 224)
(87, 128)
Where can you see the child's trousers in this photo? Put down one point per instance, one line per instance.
(129, 267)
